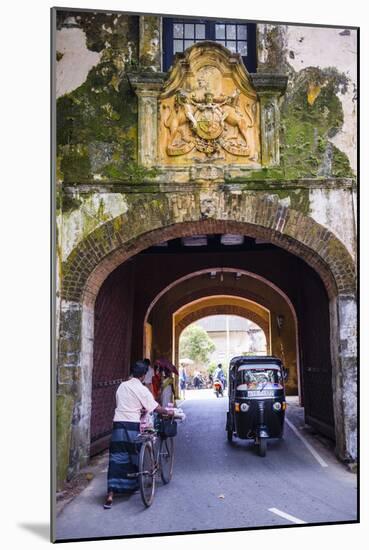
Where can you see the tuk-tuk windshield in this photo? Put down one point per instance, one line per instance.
(259, 377)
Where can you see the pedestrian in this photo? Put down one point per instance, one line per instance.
(156, 382)
(211, 380)
(133, 401)
(197, 381)
(182, 381)
(167, 387)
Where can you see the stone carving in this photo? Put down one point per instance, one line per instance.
(208, 208)
(209, 110)
(206, 172)
(201, 123)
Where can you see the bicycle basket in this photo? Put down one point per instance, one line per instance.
(167, 427)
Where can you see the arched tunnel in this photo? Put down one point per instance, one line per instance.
(144, 304)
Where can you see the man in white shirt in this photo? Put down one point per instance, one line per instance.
(133, 400)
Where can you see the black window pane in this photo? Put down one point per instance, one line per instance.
(178, 30)
(177, 46)
(231, 45)
(219, 31)
(231, 32)
(241, 32)
(242, 48)
(200, 32)
(237, 37)
(189, 30)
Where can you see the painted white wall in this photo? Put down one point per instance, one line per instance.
(96, 210)
(77, 61)
(333, 208)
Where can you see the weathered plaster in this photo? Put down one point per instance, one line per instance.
(348, 318)
(271, 48)
(76, 61)
(150, 42)
(93, 212)
(324, 47)
(333, 210)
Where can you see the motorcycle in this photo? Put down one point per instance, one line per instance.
(218, 387)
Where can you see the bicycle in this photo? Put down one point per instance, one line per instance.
(156, 455)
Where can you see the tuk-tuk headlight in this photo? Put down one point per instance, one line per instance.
(277, 406)
(245, 407)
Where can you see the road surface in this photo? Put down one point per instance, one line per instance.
(221, 486)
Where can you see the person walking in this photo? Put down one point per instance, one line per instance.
(133, 401)
(182, 381)
(156, 382)
(196, 380)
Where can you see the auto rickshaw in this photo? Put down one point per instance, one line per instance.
(257, 401)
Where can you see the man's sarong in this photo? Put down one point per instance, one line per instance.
(123, 457)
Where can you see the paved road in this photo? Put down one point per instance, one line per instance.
(217, 485)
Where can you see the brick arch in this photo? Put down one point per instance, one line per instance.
(149, 222)
(260, 295)
(222, 309)
(215, 291)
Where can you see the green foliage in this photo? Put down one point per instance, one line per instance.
(196, 344)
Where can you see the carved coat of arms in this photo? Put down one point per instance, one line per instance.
(213, 114)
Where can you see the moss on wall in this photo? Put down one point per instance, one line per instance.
(311, 115)
(97, 122)
(64, 413)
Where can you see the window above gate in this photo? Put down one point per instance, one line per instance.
(180, 34)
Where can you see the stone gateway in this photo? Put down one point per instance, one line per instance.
(223, 185)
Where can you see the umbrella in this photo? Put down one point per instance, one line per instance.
(186, 361)
(162, 362)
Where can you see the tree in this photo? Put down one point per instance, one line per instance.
(196, 344)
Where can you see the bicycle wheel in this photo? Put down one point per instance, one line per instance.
(166, 459)
(147, 473)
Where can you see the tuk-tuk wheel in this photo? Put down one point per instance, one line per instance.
(229, 436)
(262, 446)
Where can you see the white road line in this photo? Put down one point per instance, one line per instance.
(286, 516)
(307, 444)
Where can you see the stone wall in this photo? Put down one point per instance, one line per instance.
(110, 206)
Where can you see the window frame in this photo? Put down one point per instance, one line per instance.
(168, 38)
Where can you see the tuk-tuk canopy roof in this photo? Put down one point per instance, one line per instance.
(251, 360)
